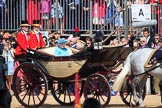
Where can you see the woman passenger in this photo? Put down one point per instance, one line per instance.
(61, 50)
(88, 42)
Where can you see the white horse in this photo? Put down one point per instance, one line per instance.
(135, 65)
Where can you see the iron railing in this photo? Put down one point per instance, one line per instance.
(65, 15)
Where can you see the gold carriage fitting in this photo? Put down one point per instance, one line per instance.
(151, 60)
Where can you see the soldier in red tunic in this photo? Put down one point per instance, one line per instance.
(22, 41)
(36, 38)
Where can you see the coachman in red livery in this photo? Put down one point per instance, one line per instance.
(22, 41)
(36, 38)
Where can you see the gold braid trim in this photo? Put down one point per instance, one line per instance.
(147, 65)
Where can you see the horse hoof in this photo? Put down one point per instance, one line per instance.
(141, 105)
(134, 103)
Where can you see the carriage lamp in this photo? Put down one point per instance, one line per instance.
(98, 46)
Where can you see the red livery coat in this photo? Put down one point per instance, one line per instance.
(23, 44)
(34, 42)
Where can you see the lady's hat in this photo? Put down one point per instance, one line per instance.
(62, 41)
(36, 23)
(24, 23)
(6, 35)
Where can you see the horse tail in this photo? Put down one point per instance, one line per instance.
(121, 77)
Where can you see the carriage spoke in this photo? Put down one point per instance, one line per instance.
(92, 84)
(33, 99)
(130, 99)
(59, 96)
(126, 96)
(22, 90)
(29, 98)
(38, 98)
(18, 86)
(102, 98)
(99, 98)
(42, 93)
(23, 78)
(64, 96)
(38, 91)
(69, 95)
(96, 96)
(21, 85)
(57, 91)
(25, 95)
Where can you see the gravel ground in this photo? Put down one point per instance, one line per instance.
(151, 101)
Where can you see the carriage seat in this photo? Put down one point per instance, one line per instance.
(51, 50)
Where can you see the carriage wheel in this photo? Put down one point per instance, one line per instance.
(126, 93)
(30, 85)
(64, 92)
(97, 86)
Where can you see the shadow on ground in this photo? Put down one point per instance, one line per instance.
(58, 106)
(109, 106)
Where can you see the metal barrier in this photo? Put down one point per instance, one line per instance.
(65, 15)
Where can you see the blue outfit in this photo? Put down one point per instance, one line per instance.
(111, 12)
(10, 68)
(74, 46)
(10, 63)
(120, 18)
(61, 52)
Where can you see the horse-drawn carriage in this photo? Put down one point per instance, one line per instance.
(43, 72)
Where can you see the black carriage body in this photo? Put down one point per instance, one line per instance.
(96, 61)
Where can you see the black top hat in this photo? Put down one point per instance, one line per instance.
(76, 34)
(98, 36)
(24, 23)
(36, 23)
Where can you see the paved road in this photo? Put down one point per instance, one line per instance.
(151, 101)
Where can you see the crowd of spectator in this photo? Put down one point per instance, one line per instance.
(71, 13)
(147, 40)
(16, 44)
